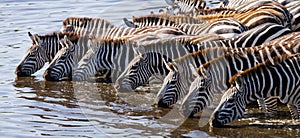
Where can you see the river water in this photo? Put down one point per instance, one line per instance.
(32, 107)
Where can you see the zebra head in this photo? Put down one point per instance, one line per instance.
(198, 96)
(139, 71)
(136, 74)
(89, 64)
(63, 62)
(34, 59)
(173, 87)
(232, 104)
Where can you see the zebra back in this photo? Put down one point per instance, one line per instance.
(213, 11)
(294, 9)
(251, 18)
(87, 26)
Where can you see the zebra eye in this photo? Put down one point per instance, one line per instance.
(232, 99)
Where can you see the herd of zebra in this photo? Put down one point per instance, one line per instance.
(245, 49)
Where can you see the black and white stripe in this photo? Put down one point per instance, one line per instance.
(219, 71)
(279, 79)
(178, 80)
(128, 80)
(65, 60)
(251, 15)
(115, 54)
(294, 9)
(43, 49)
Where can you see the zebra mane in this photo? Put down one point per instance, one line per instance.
(157, 19)
(111, 40)
(276, 59)
(154, 17)
(274, 49)
(196, 53)
(83, 21)
(71, 35)
(210, 12)
(217, 10)
(174, 19)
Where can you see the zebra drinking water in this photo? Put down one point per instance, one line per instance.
(214, 75)
(135, 76)
(43, 49)
(280, 79)
(67, 60)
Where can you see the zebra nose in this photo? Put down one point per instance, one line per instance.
(163, 103)
(214, 120)
(21, 73)
(121, 86)
(78, 76)
(49, 76)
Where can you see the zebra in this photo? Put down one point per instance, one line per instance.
(87, 26)
(134, 76)
(66, 58)
(226, 27)
(191, 5)
(252, 15)
(258, 82)
(218, 71)
(100, 57)
(294, 9)
(149, 61)
(64, 63)
(42, 50)
(214, 11)
(186, 5)
(234, 3)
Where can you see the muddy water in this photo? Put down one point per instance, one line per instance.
(32, 107)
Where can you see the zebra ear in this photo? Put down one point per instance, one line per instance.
(136, 51)
(37, 39)
(62, 43)
(177, 67)
(239, 80)
(129, 23)
(140, 49)
(194, 70)
(202, 71)
(67, 42)
(168, 65)
(31, 37)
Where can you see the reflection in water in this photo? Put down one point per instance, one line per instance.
(77, 107)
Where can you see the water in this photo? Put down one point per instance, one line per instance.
(32, 107)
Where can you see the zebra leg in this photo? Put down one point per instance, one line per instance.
(104, 76)
(271, 104)
(268, 105)
(262, 105)
(294, 111)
